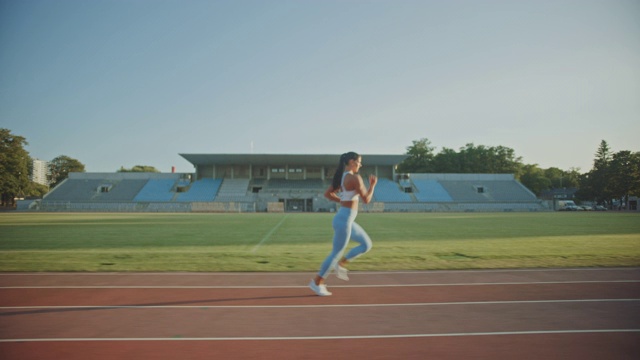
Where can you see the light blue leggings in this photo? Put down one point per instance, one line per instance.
(344, 228)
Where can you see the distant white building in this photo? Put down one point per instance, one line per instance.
(40, 171)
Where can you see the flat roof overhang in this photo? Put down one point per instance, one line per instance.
(287, 159)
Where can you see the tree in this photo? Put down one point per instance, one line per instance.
(60, 167)
(635, 171)
(556, 177)
(600, 174)
(447, 161)
(603, 156)
(478, 159)
(470, 159)
(624, 175)
(140, 168)
(595, 185)
(535, 179)
(36, 190)
(562, 179)
(420, 157)
(572, 177)
(14, 166)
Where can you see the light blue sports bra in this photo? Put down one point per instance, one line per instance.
(347, 195)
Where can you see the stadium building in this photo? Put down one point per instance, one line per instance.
(279, 182)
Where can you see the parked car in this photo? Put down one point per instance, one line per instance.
(600, 208)
(570, 208)
(586, 208)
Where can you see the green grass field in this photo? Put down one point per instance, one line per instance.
(299, 242)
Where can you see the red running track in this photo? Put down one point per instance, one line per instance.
(492, 314)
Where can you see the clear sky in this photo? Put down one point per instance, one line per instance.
(124, 83)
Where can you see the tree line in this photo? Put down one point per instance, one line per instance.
(614, 176)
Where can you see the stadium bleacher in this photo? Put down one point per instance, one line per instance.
(75, 190)
(389, 191)
(475, 191)
(124, 190)
(154, 192)
(201, 190)
(234, 190)
(429, 190)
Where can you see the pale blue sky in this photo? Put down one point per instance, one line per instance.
(124, 83)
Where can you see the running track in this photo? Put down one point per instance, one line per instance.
(492, 314)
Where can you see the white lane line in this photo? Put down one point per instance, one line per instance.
(268, 235)
(302, 286)
(453, 303)
(349, 337)
(416, 272)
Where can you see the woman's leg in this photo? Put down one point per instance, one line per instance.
(361, 237)
(342, 224)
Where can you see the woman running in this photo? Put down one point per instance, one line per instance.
(347, 187)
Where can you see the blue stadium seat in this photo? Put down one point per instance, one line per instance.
(202, 190)
(156, 190)
(431, 191)
(389, 191)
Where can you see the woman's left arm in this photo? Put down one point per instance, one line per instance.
(366, 194)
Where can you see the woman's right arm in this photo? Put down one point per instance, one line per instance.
(331, 194)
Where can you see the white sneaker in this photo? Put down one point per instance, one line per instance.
(341, 272)
(320, 290)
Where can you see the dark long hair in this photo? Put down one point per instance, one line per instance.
(344, 160)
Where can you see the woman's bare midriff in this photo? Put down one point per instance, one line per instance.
(349, 204)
